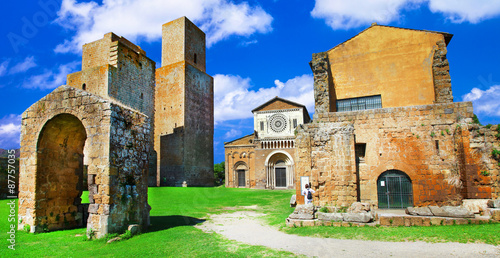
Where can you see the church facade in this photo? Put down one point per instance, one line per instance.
(265, 159)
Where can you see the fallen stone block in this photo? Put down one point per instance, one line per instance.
(475, 205)
(420, 211)
(436, 211)
(302, 216)
(329, 216)
(304, 209)
(358, 217)
(457, 212)
(451, 211)
(359, 207)
(494, 203)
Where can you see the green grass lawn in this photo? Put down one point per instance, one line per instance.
(176, 210)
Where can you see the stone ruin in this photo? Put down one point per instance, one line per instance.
(98, 132)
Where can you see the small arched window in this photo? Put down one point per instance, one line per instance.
(84, 86)
(142, 95)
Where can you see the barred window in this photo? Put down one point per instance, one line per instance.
(262, 126)
(362, 103)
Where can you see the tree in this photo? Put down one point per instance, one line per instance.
(219, 173)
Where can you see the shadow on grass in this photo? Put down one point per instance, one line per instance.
(159, 223)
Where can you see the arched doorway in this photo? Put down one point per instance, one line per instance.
(279, 170)
(394, 190)
(59, 177)
(241, 169)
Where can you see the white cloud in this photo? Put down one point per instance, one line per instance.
(3, 67)
(10, 131)
(50, 79)
(472, 11)
(28, 63)
(134, 19)
(485, 101)
(232, 133)
(357, 13)
(234, 98)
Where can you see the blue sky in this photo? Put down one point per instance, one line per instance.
(256, 50)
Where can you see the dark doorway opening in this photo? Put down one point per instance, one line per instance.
(280, 177)
(394, 190)
(241, 178)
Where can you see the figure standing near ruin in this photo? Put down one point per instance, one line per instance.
(308, 192)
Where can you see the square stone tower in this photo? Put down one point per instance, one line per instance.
(183, 108)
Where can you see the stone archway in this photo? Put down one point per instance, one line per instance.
(59, 177)
(279, 170)
(394, 190)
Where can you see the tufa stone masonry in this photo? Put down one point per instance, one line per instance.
(117, 124)
(386, 130)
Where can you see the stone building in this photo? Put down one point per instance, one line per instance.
(102, 128)
(386, 130)
(184, 118)
(265, 159)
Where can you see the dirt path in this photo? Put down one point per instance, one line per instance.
(245, 226)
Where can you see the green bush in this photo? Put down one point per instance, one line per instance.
(324, 209)
(475, 120)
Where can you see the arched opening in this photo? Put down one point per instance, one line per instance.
(84, 86)
(394, 190)
(279, 170)
(241, 169)
(59, 177)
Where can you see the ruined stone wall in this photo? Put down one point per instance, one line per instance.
(325, 155)
(56, 133)
(431, 144)
(441, 74)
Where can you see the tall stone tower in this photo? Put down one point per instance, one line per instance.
(184, 122)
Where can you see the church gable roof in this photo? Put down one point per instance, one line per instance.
(447, 36)
(245, 140)
(278, 103)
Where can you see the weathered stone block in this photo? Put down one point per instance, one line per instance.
(494, 203)
(475, 205)
(358, 217)
(436, 221)
(358, 207)
(421, 211)
(330, 216)
(495, 214)
(398, 221)
(302, 216)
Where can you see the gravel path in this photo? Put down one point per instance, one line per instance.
(245, 226)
